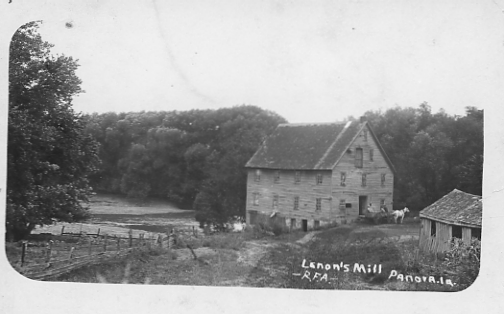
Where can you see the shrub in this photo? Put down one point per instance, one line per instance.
(464, 260)
(278, 228)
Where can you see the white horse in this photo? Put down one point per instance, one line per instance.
(399, 214)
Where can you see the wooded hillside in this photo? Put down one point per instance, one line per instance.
(196, 158)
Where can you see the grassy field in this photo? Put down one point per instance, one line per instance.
(251, 259)
(255, 258)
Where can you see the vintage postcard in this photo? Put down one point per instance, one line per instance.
(188, 146)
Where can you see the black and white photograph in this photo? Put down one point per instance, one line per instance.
(247, 154)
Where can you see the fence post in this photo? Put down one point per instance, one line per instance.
(23, 252)
(80, 230)
(160, 241)
(71, 253)
(90, 244)
(105, 243)
(48, 251)
(118, 240)
(62, 229)
(130, 235)
(98, 233)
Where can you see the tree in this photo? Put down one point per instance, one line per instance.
(432, 153)
(49, 155)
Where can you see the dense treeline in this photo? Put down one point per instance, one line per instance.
(432, 153)
(195, 158)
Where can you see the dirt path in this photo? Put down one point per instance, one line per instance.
(253, 252)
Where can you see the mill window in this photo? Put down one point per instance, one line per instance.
(383, 179)
(275, 201)
(319, 178)
(255, 199)
(318, 204)
(297, 176)
(343, 179)
(257, 177)
(433, 228)
(342, 204)
(358, 157)
(364, 179)
(296, 202)
(371, 154)
(277, 176)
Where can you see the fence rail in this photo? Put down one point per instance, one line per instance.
(53, 258)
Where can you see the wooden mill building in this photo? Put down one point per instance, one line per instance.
(455, 215)
(312, 174)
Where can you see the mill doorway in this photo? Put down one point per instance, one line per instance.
(363, 200)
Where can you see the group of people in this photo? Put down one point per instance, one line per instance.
(383, 208)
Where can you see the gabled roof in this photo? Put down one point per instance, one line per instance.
(307, 146)
(457, 208)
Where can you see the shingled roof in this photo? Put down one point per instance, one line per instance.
(456, 208)
(306, 146)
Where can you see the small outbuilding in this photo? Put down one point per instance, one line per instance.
(455, 215)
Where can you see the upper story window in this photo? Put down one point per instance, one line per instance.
(296, 202)
(297, 176)
(433, 228)
(277, 176)
(275, 201)
(371, 154)
(319, 178)
(383, 179)
(343, 179)
(358, 157)
(318, 204)
(364, 179)
(257, 176)
(365, 135)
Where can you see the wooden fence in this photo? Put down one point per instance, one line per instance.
(50, 259)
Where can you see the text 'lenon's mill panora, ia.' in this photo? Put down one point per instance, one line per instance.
(325, 272)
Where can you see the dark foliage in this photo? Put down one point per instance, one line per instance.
(195, 158)
(49, 155)
(432, 153)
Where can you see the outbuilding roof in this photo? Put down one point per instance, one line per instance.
(316, 146)
(457, 208)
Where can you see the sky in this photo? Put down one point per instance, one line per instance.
(309, 61)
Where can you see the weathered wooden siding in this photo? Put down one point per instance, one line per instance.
(466, 235)
(441, 242)
(424, 241)
(353, 188)
(287, 189)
